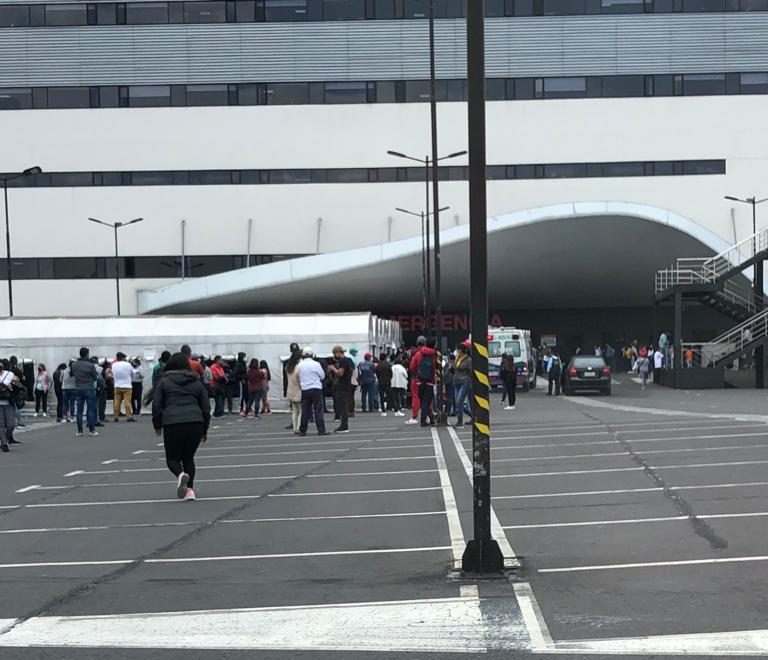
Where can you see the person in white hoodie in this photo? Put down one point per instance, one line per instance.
(399, 387)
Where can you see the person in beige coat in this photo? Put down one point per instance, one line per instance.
(293, 390)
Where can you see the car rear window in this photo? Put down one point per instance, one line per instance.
(596, 362)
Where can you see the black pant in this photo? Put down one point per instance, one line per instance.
(554, 379)
(181, 442)
(312, 402)
(101, 401)
(385, 396)
(426, 396)
(59, 404)
(340, 399)
(510, 381)
(41, 400)
(398, 398)
(138, 389)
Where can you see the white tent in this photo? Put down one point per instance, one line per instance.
(56, 340)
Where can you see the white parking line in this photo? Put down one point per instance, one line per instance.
(27, 489)
(356, 492)
(496, 529)
(373, 460)
(369, 474)
(189, 560)
(591, 523)
(582, 493)
(565, 472)
(455, 531)
(167, 482)
(655, 564)
(96, 528)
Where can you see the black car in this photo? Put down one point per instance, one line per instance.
(587, 372)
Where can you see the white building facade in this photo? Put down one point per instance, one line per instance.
(257, 131)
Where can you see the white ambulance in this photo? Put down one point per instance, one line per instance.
(515, 343)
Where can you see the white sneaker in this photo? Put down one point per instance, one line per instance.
(412, 421)
(93, 433)
(34, 415)
(45, 414)
(181, 487)
(383, 414)
(190, 495)
(509, 408)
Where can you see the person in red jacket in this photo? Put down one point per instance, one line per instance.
(423, 366)
(414, 386)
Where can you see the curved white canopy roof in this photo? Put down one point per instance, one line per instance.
(563, 256)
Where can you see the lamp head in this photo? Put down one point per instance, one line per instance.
(31, 171)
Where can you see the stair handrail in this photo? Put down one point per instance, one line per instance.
(735, 339)
(735, 255)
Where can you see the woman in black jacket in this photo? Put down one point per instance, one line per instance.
(181, 411)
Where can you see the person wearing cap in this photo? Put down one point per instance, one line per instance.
(122, 372)
(354, 383)
(342, 392)
(311, 377)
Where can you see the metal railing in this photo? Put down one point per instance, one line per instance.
(731, 341)
(690, 271)
(741, 296)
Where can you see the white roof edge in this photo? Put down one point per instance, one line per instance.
(307, 268)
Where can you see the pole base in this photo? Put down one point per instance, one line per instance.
(482, 557)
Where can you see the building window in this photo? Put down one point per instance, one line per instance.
(561, 88)
(205, 12)
(417, 91)
(245, 11)
(700, 84)
(207, 95)
(346, 92)
(152, 178)
(754, 83)
(623, 86)
(210, 178)
(14, 16)
(451, 90)
(343, 10)
(622, 6)
(703, 5)
(285, 10)
(144, 13)
(703, 167)
(149, 96)
(15, 98)
(623, 169)
(287, 93)
(57, 15)
(69, 97)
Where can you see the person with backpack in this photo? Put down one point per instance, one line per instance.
(643, 368)
(7, 406)
(344, 369)
(421, 342)
(424, 364)
(554, 372)
(181, 413)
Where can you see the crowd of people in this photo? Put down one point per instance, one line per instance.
(402, 382)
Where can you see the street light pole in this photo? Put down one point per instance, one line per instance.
(758, 288)
(30, 171)
(115, 226)
(482, 554)
(424, 217)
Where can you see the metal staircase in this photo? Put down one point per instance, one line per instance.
(733, 343)
(699, 275)
(710, 280)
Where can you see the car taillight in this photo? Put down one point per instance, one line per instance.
(606, 372)
(572, 372)
(525, 368)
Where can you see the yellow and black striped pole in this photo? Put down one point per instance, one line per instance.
(482, 554)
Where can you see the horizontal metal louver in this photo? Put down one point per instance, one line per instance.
(381, 50)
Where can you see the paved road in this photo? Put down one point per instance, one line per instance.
(638, 521)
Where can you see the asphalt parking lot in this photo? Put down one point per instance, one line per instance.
(638, 521)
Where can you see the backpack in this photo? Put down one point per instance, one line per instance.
(426, 370)
(556, 365)
(18, 395)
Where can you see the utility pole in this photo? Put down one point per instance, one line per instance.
(482, 554)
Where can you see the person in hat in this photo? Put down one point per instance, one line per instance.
(343, 370)
(311, 377)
